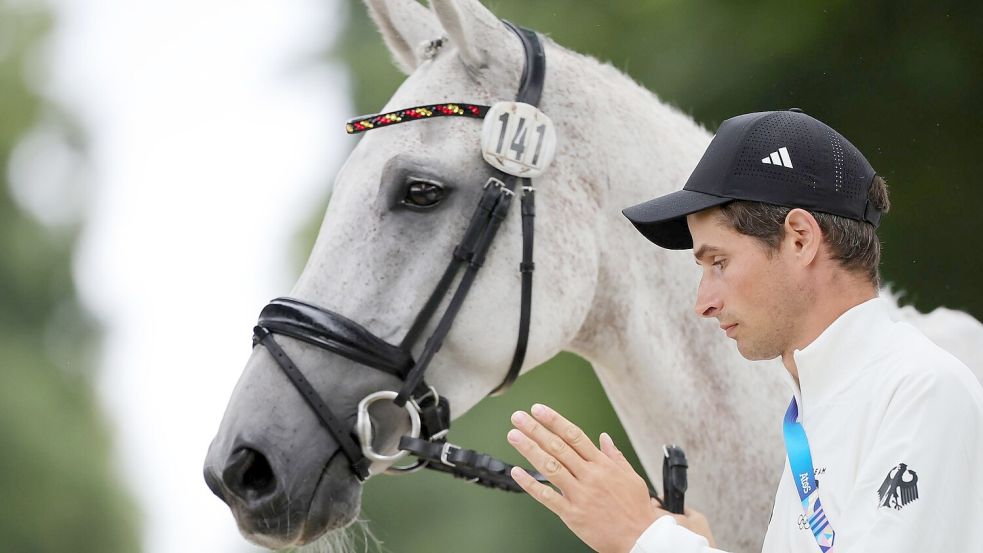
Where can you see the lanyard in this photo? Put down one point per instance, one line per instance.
(803, 474)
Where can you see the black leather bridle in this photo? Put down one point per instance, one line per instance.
(429, 412)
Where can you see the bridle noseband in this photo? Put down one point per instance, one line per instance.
(429, 413)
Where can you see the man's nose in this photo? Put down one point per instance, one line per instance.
(707, 300)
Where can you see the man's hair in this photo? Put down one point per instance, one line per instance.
(854, 244)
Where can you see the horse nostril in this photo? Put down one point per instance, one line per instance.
(211, 479)
(248, 474)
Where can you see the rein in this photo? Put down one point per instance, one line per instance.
(429, 413)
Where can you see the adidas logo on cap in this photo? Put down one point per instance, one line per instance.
(779, 158)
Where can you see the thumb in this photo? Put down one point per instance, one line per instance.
(615, 454)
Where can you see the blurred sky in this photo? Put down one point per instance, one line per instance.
(214, 127)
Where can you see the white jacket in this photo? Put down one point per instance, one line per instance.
(877, 398)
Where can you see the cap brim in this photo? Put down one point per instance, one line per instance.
(663, 219)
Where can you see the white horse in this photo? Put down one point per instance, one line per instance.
(601, 290)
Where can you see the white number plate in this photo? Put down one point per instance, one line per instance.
(518, 139)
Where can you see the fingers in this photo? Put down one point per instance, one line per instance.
(548, 441)
(615, 454)
(545, 463)
(570, 433)
(542, 493)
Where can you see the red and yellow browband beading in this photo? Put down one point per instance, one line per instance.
(456, 109)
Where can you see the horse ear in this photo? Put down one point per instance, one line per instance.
(404, 25)
(472, 28)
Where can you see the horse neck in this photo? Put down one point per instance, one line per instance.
(664, 369)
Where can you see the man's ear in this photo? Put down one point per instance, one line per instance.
(404, 25)
(803, 235)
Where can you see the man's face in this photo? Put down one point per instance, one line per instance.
(752, 291)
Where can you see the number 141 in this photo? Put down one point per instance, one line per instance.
(518, 142)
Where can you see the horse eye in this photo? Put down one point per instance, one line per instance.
(423, 194)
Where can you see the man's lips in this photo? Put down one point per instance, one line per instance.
(728, 329)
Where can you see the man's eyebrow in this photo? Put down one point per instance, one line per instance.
(704, 250)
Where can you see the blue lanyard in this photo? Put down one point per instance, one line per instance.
(803, 474)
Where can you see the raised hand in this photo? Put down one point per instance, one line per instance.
(599, 495)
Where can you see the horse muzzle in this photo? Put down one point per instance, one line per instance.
(274, 505)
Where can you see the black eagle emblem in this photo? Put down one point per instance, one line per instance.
(899, 488)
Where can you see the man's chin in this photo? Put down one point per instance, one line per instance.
(751, 352)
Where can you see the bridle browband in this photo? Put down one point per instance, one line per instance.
(429, 413)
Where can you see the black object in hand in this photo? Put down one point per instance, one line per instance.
(674, 482)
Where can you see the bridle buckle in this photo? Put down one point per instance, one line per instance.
(492, 181)
(444, 452)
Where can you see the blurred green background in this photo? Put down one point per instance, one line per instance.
(901, 80)
(59, 489)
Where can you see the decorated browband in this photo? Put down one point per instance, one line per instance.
(369, 122)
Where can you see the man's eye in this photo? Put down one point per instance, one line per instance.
(423, 194)
(719, 263)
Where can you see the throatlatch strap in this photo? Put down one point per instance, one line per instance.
(526, 267)
(359, 463)
(530, 92)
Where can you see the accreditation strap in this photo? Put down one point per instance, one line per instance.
(803, 474)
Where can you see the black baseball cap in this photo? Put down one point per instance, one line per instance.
(784, 158)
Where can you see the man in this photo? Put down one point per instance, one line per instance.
(884, 433)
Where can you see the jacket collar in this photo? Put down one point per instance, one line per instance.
(837, 356)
